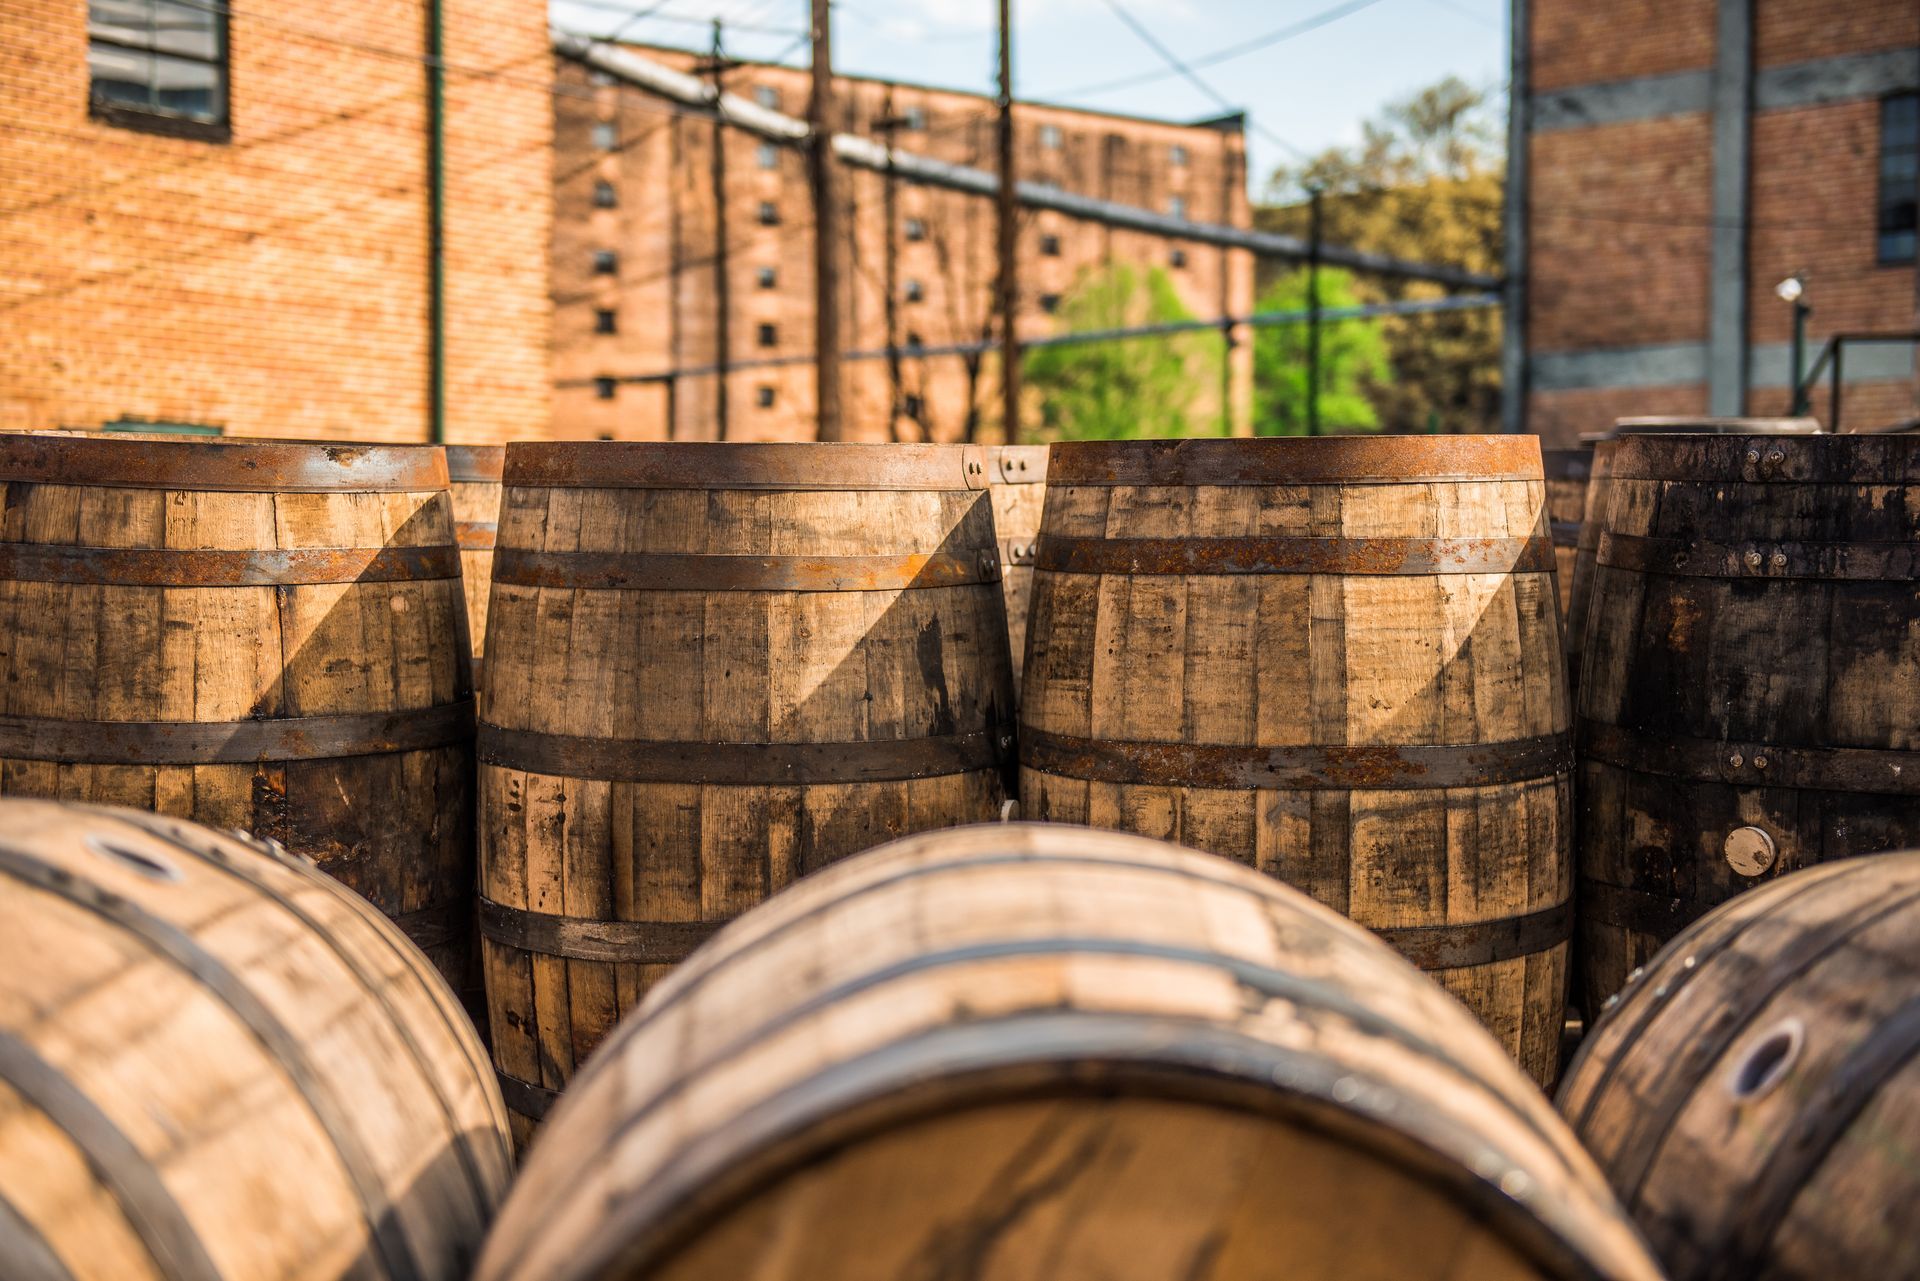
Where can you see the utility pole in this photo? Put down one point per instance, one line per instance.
(1313, 313)
(1008, 238)
(890, 214)
(722, 296)
(826, 275)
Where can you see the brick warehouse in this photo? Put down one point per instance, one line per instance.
(640, 260)
(1674, 162)
(224, 221)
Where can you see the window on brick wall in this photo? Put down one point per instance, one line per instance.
(1899, 221)
(606, 136)
(159, 65)
(769, 214)
(1050, 137)
(916, 229)
(1177, 156)
(915, 291)
(769, 336)
(915, 340)
(604, 195)
(1177, 206)
(766, 277)
(606, 262)
(1177, 259)
(763, 396)
(913, 407)
(606, 321)
(915, 118)
(767, 156)
(1049, 303)
(767, 96)
(604, 387)
(1050, 246)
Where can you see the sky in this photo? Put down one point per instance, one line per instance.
(1304, 93)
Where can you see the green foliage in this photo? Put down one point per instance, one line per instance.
(1425, 183)
(1124, 388)
(1353, 357)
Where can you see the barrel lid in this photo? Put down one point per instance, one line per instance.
(1705, 425)
(606, 464)
(1819, 459)
(1297, 460)
(239, 465)
(475, 464)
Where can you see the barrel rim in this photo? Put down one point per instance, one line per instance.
(1714, 425)
(475, 464)
(227, 465)
(795, 466)
(1790, 460)
(1320, 460)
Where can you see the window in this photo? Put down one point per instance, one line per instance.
(606, 262)
(1899, 220)
(159, 65)
(1050, 137)
(769, 214)
(604, 196)
(1177, 259)
(767, 277)
(767, 156)
(763, 396)
(595, 76)
(913, 407)
(1177, 206)
(605, 136)
(1050, 246)
(915, 340)
(1177, 156)
(606, 321)
(604, 387)
(915, 118)
(767, 96)
(769, 336)
(915, 291)
(916, 229)
(1049, 303)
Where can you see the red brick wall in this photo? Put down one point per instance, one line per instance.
(1787, 31)
(1561, 417)
(274, 284)
(1577, 42)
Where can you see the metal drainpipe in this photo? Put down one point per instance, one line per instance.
(436, 226)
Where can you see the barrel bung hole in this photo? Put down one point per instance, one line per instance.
(1767, 1063)
(155, 867)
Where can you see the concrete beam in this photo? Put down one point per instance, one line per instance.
(1520, 108)
(1685, 364)
(1620, 101)
(1842, 79)
(1732, 155)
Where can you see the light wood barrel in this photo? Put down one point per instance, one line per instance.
(218, 1065)
(1336, 660)
(1040, 1051)
(1748, 704)
(1754, 1094)
(711, 669)
(1019, 475)
(262, 636)
(1566, 471)
(473, 475)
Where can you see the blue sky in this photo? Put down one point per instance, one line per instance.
(1309, 92)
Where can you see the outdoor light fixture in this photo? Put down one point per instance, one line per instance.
(1791, 288)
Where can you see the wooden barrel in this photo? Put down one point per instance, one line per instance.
(1029, 1050)
(1566, 472)
(217, 1063)
(1019, 495)
(1579, 587)
(266, 637)
(1748, 704)
(1754, 1096)
(711, 669)
(1336, 660)
(473, 475)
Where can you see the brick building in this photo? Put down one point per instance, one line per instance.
(647, 279)
(1675, 160)
(223, 221)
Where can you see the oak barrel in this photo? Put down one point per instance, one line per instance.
(1754, 1095)
(1579, 589)
(711, 669)
(1036, 1051)
(1749, 705)
(1566, 471)
(262, 636)
(1019, 474)
(473, 475)
(1336, 660)
(216, 1063)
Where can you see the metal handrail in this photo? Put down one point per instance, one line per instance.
(1832, 352)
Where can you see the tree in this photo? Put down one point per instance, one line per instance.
(1424, 183)
(1124, 388)
(1353, 355)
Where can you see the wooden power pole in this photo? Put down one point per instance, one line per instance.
(826, 274)
(722, 272)
(1008, 238)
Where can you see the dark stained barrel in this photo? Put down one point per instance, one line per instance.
(1336, 660)
(1754, 1094)
(216, 1064)
(712, 669)
(1748, 705)
(266, 636)
(1022, 1051)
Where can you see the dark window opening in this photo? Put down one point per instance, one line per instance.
(1050, 246)
(763, 397)
(767, 277)
(603, 388)
(159, 66)
(606, 262)
(769, 336)
(1177, 155)
(604, 195)
(916, 229)
(1899, 214)
(605, 322)
(913, 407)
(915, 340)
(769, 214)
(1178, 258)
(915, 291)
(1049, 303)
(1177, 206)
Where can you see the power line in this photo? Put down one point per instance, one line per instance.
(1300, 28)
